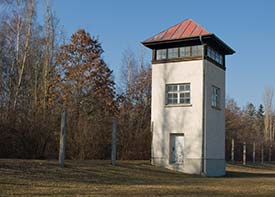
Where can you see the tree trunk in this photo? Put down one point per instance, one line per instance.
(48, 54)
(25, 54)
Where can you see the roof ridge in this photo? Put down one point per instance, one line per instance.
(186, 27)
(166, 29)
(179, 24)
(179, 31)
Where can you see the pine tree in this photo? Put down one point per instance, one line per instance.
(260, 123)
(250, 110)
(249, 131)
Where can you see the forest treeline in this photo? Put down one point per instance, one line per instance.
(42, 73)
(251, 126)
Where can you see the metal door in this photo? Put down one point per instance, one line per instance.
(176, 148)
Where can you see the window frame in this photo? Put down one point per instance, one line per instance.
(178, 92)
(174, 52)
(215, 97)
(194, 51)
(161, 55)
(184, 50)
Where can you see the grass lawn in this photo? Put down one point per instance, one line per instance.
(95, 178)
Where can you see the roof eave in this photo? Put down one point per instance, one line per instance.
(227, 50)
(151, 44)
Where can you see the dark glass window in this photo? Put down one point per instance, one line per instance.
(214, 55)
(216, 95)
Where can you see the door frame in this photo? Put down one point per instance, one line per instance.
(170, 145)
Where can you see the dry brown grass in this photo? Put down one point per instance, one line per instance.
(94, 178)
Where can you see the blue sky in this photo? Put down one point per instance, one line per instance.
(246, 25)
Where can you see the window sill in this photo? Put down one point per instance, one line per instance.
(176, 164)
(178, 105)
(180, 59)
(216, 108)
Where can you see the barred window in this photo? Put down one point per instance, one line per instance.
(161, 54)
(197, 50)
(173, 53)
(180, 52)
(185, 51)
(178, 93)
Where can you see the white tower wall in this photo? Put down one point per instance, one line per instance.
(199, 155)
(179, 119)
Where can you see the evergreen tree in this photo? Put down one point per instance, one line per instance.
(248, 123)
(250, 110)
(260, 123)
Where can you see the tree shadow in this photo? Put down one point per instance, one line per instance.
(234, 174)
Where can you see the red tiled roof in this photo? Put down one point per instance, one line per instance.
(185, 29)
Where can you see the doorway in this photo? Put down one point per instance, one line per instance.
(176, 148)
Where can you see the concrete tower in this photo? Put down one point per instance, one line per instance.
(188, 99)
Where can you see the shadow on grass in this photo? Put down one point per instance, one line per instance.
(100, 178)
(233, 174)
(251, 170)
(103, 173)
(92, 172)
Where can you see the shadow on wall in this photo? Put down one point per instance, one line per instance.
(172, 123)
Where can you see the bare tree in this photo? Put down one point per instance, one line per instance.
(23, 51)
(135, 107)
(49, 52)
(268, 118)
(129, 69)
(268, 100)
(30, 10)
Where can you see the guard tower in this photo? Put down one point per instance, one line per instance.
(188, 99)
